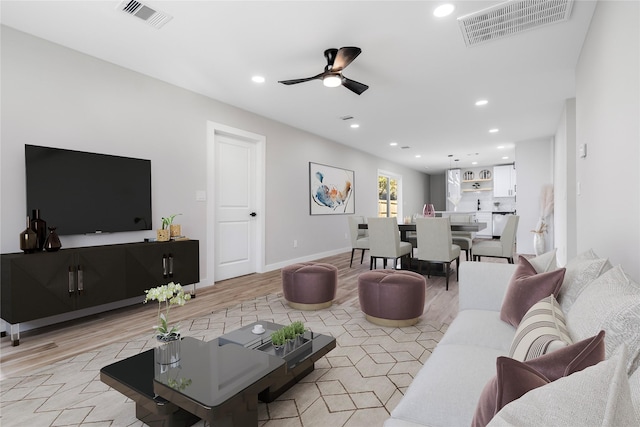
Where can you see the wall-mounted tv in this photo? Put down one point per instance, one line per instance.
(83, 193)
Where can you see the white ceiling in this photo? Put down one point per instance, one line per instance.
(423, 80)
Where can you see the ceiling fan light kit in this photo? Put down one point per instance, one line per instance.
(337, 60)
(332, 81)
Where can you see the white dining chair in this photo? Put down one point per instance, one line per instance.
(359, 238)
(464, 239)
(503, 248)
(385, 243)
(435, 245)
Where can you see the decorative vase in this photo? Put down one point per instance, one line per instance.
(167, 352)
(52, 243)
(28, 239)
(163, 235)
(428, 210)
(289, 346)
(39, 226)
(538, 243)
(279, 350)
(175, 230)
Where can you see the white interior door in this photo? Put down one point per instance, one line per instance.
(236, 206)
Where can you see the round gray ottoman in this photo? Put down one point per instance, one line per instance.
(392, 298)
(309, 285)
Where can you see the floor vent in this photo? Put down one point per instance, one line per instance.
(147, 14)
(512, 17)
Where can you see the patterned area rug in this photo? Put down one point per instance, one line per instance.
(356, 384)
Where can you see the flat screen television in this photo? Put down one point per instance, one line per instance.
(86, 193)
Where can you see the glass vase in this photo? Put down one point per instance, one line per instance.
(28, 239)
(39, 226)
(53, 241)
(428, 210)
(167, 351)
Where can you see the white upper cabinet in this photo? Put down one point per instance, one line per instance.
(504, 181)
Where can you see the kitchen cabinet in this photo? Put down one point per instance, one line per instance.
(43, 284)
(504, 181)
(485, 217)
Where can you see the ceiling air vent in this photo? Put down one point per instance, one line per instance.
(147, 14)
(512, 17)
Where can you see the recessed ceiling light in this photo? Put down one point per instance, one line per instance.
(494, 130)
(257, 79)
(474, 163)
(500, 147)
(443, 10)
(418, 156)
(355, 126)
(481, 102)
(393, 144)
(505, 157)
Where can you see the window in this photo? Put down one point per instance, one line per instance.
(389, 200)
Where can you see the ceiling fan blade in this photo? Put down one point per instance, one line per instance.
(344, 57)
(354, 86)
(296, 81)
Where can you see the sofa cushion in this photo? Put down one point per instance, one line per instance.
(543, 329)
(545, 262)
(634, 384)
(481, 328)
(527, 288)
(611, 302)
(514, 378)
(445, 390)
(581, 271)
(598, 395)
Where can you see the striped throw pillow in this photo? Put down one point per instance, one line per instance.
(542, 330)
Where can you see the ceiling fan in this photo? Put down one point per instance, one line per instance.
(337, 60)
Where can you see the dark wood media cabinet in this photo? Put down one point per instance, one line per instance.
(43, 284)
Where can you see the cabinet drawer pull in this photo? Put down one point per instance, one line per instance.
(165, 266)
(80, 281)
(71, 281)
(170, 265)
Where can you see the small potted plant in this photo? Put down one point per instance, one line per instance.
(298, 330)
(168, 337)
(168, 229)
(290, 337)
(278, 340)
(174, 229)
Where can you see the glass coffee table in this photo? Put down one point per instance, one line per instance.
(219, 381)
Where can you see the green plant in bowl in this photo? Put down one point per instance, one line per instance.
(298, 327)
(166, 222)
(289, 332)
(277, 338)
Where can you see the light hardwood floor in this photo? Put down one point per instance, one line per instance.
(48, 345)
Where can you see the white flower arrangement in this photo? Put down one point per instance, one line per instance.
(169, 294)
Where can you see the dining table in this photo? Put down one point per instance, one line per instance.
(471, 227)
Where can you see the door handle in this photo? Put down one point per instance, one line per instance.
(253, 214)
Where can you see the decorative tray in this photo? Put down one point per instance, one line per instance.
(292, 357)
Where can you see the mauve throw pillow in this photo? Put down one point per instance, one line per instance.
(514, 378)
(527, 288)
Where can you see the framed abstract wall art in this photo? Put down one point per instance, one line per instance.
(331, 190)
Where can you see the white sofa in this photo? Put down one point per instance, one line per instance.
(446, 390)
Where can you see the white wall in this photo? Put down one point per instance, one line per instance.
(534, 170)
(607, 112)
(58, 97)
(565, 189)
